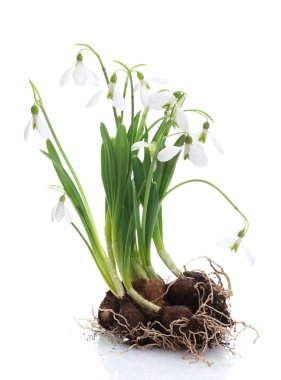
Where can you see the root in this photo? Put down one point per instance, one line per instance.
(209, 326)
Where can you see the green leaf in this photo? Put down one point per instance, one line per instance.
(139, 177)
(132, 132)
(151, 216)
(108, 166)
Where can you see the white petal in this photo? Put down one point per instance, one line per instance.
(144, 94)
(197, 154)
(247, 253)
(92, 78)
(53, 214)
(66, 76)
(158, 100)
(159, 80)
(27, 129)
(227, 242)
(168, 153)
(182, 120)
(67, 216)
(60, 211)
(138, 145)
(96, 98)
(118, 101)
(172, 100)
(80, 74)
(42, 128)
(217, 144)
(136, 87)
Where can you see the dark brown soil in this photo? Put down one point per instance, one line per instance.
(194, 313)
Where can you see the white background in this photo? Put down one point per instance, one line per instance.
(226, 55)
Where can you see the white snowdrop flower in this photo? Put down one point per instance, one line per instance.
(60, 212)
(36, 123)
(139, 145)
(113, 94)
(157, 100)
(79, 73)
(203, 137)
(144, 89)
(180, 117)
(235, 243)
(194, 151)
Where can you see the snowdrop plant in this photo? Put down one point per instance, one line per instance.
(134, 188)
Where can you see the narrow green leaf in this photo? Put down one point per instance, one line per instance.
(151, 216)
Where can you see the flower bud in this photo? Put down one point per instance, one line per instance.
(79, 57)
(34, 110)
(113, 78)
(188, 140)
(241, 234)
(62, 198)
(206, 125)
(140, 75)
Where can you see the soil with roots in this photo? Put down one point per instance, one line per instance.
(194, 313)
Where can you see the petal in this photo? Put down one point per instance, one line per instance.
(53, 214)
(182, 120)
(247, 253)
(60, 211)
(92, 78)
(159, 80)
(118, 100)
(67, 216)
(66, 76)
(197, 155)
(138, 145)
(80, 74)
(227, 242)
(42, 128)
(144, 94)
(168, 153)
(96, 98)
(217, 144)
(158, 100)
(27, 129)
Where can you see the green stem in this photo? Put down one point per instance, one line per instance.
(138, 268)
(142, 301)
(164, 255)
(246, 222)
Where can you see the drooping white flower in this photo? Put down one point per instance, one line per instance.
(203, 137)
(139, 145)
(113, 94)
(144, 89)
(235, 243)
(36, 123)
(60, 212)
(180, 117)
(79, 73)
(194, 151)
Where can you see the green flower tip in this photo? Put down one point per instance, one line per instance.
(79, 57)
(62, 198)
(113, 78)
(235, 246)
(206, 125)
(202, 137)
(140, 75)
(34, 110)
